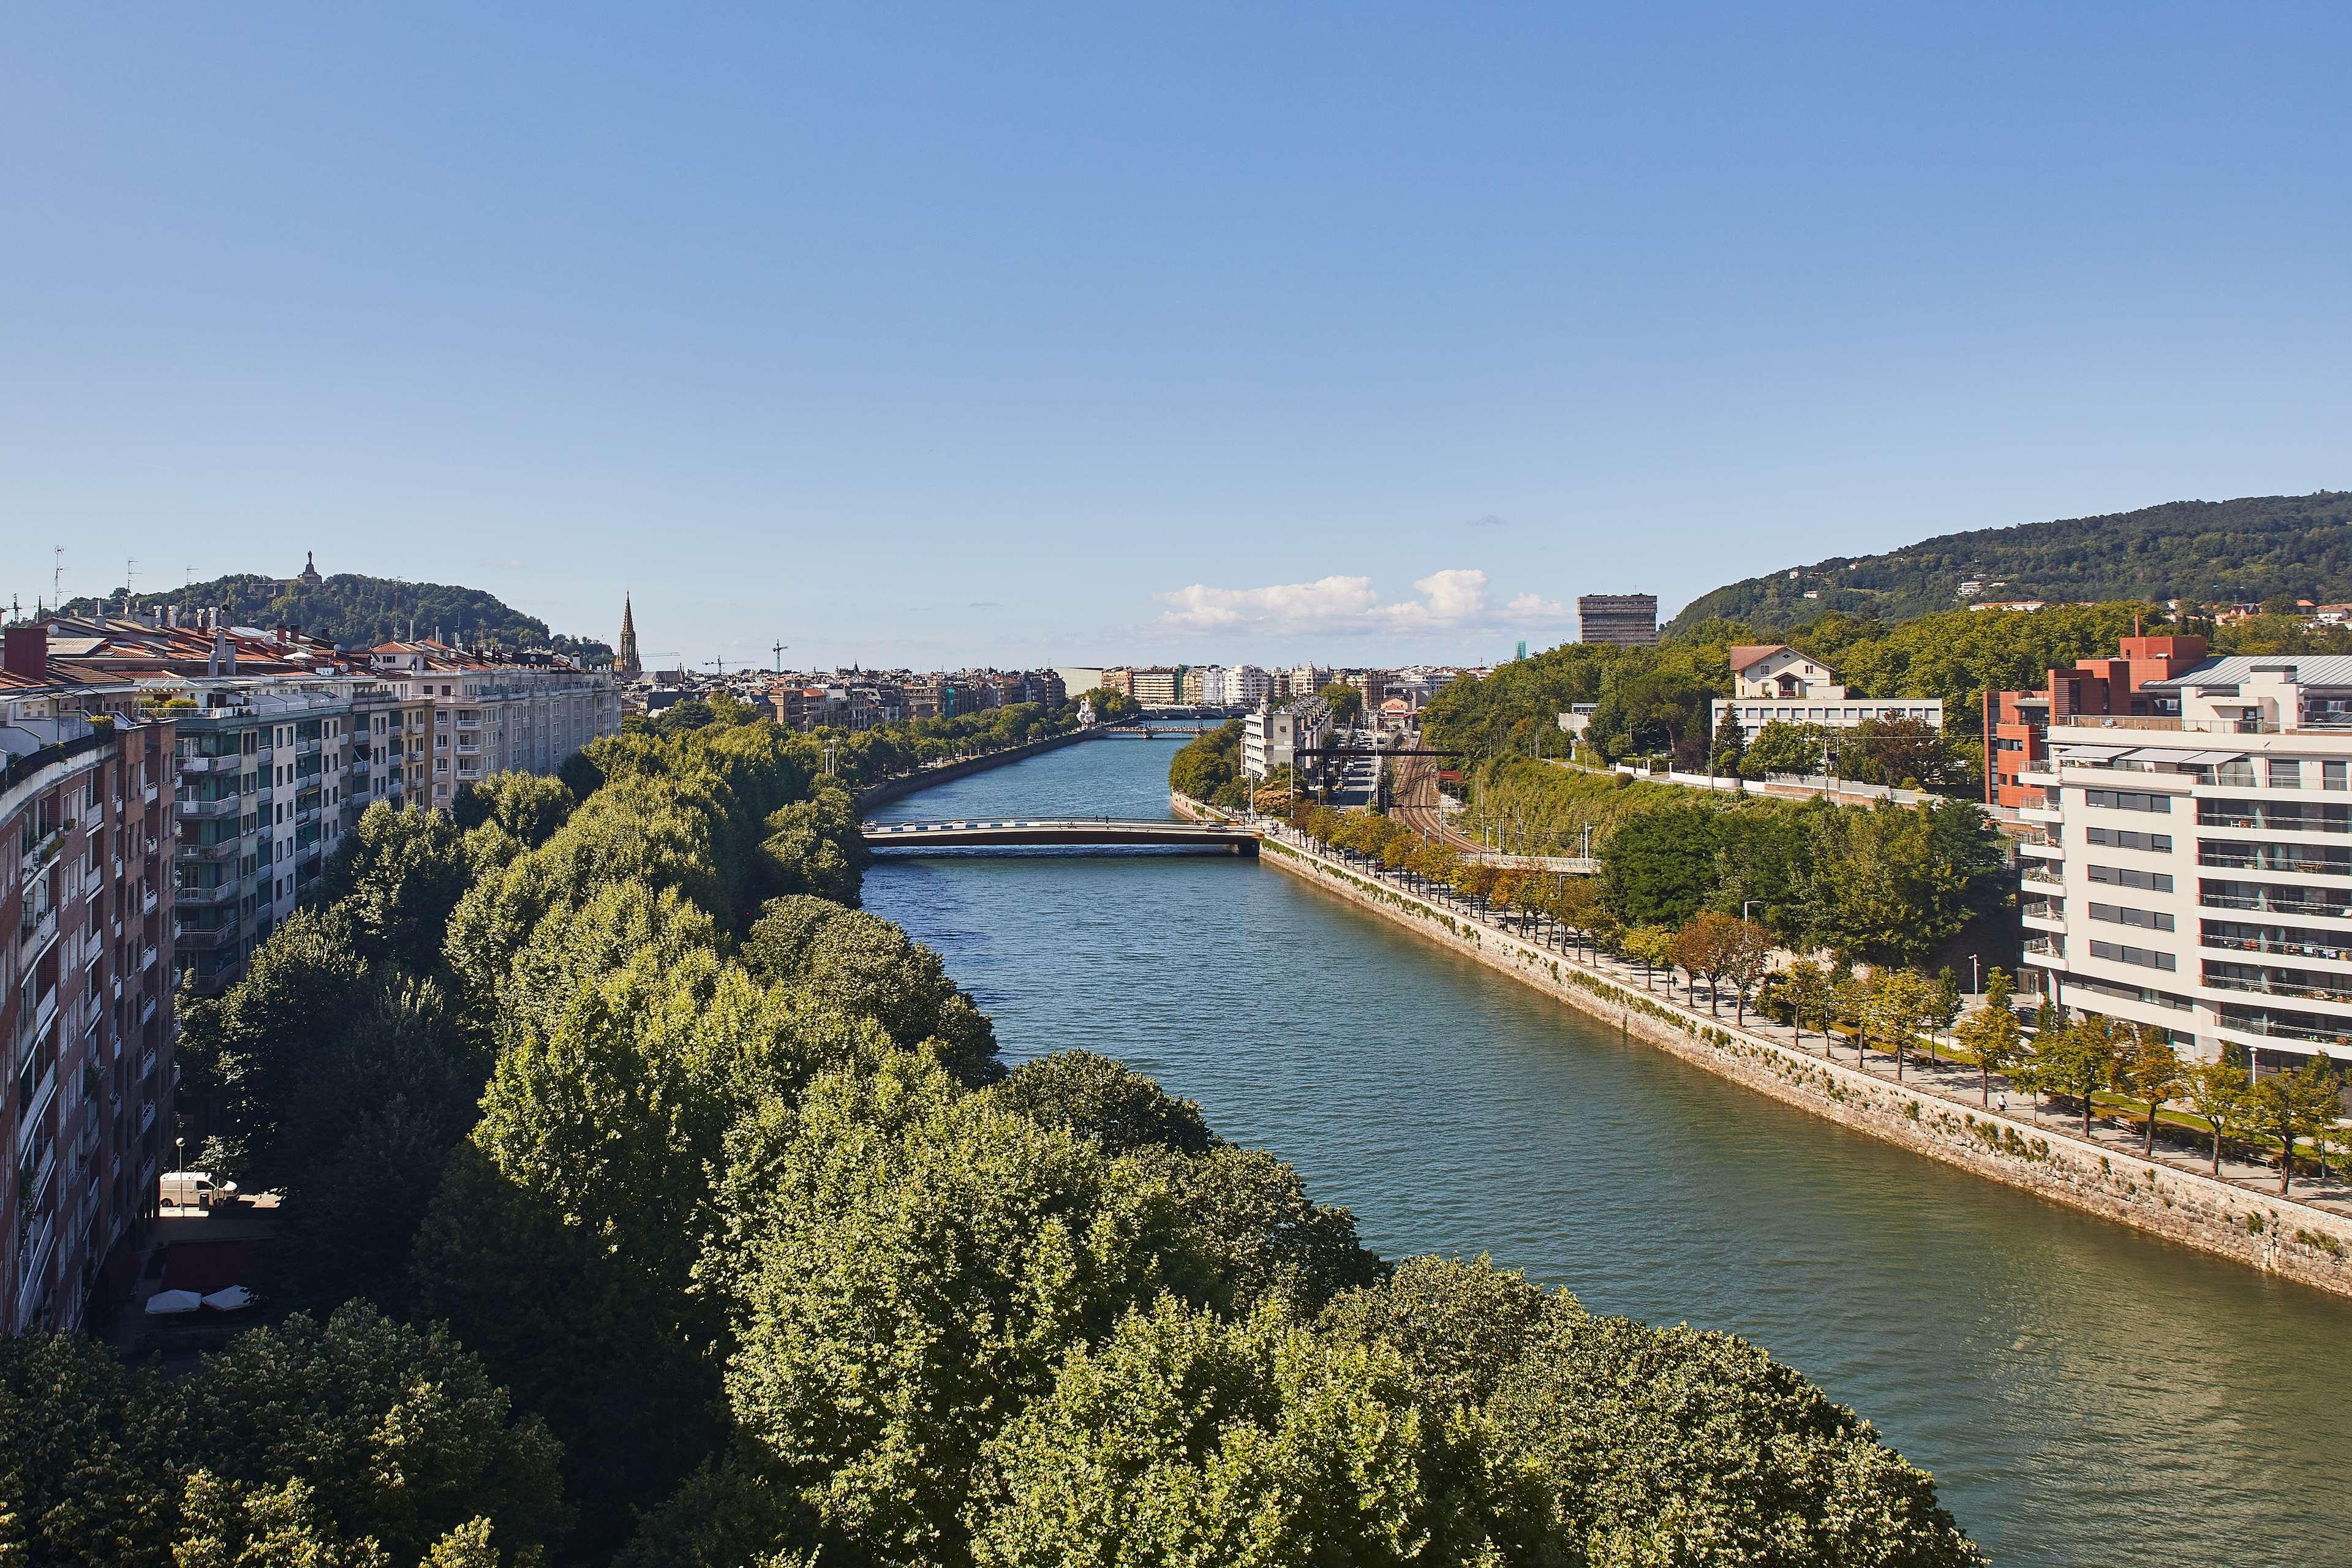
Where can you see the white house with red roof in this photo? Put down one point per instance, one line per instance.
(1772, 682)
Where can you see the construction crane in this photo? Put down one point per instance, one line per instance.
(779, 652)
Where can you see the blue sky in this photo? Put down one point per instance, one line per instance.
(1015, 334)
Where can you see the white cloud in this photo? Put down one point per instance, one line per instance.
(1453, 599)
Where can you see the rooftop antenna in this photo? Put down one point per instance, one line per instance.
(779, 652)
(57, 579)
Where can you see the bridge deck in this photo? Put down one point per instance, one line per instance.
(1097, 833)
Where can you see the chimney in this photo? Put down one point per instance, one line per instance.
(28, 651)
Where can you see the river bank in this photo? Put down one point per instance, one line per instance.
(2084, 1392)
(2275, 1235)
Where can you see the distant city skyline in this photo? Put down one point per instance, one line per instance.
(958, 337)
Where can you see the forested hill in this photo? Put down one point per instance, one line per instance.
(2248, 550)
(357, 611)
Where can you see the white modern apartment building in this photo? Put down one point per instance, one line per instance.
(1246, 686)
(2193, 868)
(1272, 737)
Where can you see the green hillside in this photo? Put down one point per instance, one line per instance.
(357, 611)
(2248, 550)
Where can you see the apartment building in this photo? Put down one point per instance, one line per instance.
(1156, 683)
(1204, 685)
(2016, 723)
(267, 778)
(2192, 869)
(1272, 737)
(494, 715)
(1246, 686)
(1773, 683)
(86, 829)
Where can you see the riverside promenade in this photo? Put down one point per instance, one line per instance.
(1934, 1109)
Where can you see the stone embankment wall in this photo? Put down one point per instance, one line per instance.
(890, 789)
(2271, 1233)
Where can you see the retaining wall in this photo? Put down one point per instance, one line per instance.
(2270, 1233)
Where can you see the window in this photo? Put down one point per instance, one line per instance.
(2116, 914)
(2115, 876)
(2126, 838)
(2235, 773)
(2128, 800)
(2115, 952)
(2285, 773)
(2332, 777)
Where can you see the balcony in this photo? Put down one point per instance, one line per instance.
(38, 931)
(206, 854)
(147, 1064)
(2332, 952)
(2294, 989)
(146, 1010)
(2048, 917)
(2163, 724)
(208, 810)
(202, 898)
(152, 794)
(2049, 948)
(146, 958)
(44, 1094)
(197, 762)
(2040, 875)
(148, 901)
(206, 939)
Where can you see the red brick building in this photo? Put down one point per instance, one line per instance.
(2016, 723)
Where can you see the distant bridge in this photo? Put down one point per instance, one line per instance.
(1063, 833)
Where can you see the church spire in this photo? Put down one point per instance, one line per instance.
(625, 661)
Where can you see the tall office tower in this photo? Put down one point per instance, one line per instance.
(1629, 620)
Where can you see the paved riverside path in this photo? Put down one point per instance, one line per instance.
(1952, 1081)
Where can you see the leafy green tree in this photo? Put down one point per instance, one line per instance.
(1946, 1009)
(397, 1432)
(2151, 1071)
(2293, 1103)
(814, 846)
(396, 877)
(1991, 1034)
(1347, 703)
(528, 806)
(918, 1261)
(869, 968)
(1744, 957)
(371, 1121)
(1244, 1231)
(2078, 1059)
(242, 1053)
(1104, 1102)
(1901, 1002)
(1461, 1328)
(2221, 1092)
(1658, 867)
(1730, 745)
(1803, 991)
(1779, 747)
(1186, 1440)
(1663, 1446)
(80, 1436)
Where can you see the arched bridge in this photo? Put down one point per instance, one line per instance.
(1059, 833)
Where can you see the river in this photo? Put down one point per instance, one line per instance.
(2084, 1393)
